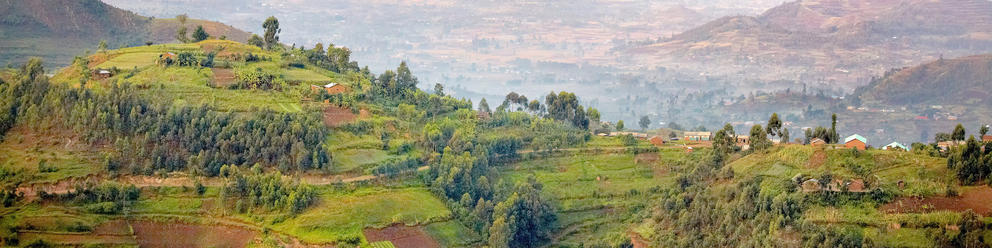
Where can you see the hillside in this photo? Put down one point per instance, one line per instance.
(116, 156)
(958, 81)
(832, 43)
(58, 30)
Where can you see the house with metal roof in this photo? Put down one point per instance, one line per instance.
(856, 141)
(895, 146)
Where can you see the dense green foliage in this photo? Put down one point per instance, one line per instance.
(150, 137)
(254, 189)
(106, 198)
(972, 162)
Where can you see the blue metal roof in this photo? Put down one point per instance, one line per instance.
(856, 137)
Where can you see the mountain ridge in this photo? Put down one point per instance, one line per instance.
(58, 30)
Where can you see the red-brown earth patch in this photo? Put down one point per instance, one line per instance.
(402, 236)
(172, 234)
(818, 158)
(978, 199)
(223, 77)
(336, 116)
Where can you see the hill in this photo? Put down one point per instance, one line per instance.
(58, 30)
(835, 43)
(959, 81)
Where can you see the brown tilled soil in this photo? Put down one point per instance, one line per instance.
(223, 77)
(978, 199)
(402, 236)
(171, 234)
(336, 116)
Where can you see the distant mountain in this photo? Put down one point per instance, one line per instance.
(961, 81)
(831, 42)
(58, 30)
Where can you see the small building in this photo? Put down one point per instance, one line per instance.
(742, 140)
(945, 145)
(697, 136)
(817, 142)
(331, 88)
(857, 186)
(986, 138)
(657, 140)
(811, 185)
(101, 73)
(895, 146)
(856, 141)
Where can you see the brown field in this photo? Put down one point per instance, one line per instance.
(171, 234)
(402, 236)
(978, 199)
(336, 116)
(222, 77)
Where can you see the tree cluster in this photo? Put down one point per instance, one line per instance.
(149, 137)
(254, 190)
(972, 162)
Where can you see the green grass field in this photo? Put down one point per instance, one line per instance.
(923, 175)
(340, 216)
(127, 61)
(452, 234)
(47, 157)
(598, 196)
(304, 76)
(191, 86)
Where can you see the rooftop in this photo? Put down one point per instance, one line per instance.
(856, 137)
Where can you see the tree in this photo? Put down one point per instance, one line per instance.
(725, 140)
(958, 134)
(255, 40)
(199, 34)
(33, 69)
(620, 125)
(759, 139)
(103, 46)
(941, 137)
(984, 130)
(182, 19)
(774, 127)
(484, 106)
(438, 89)
(271, 26)
(644, 122)
(834, 138)
(785, 135)
(181, 35)
(593, 115)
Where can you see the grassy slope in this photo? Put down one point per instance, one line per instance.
(598, 195)
(339, 215)
(923, 175)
